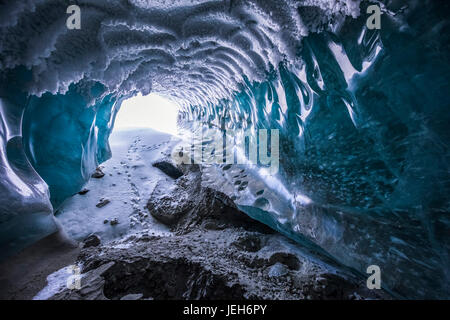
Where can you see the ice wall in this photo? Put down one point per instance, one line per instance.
(66, 136)
(364, 136)
(26, 213)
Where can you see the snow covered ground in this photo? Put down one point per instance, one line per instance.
(128, 182)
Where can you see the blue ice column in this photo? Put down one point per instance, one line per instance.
(66, 136)
(26, 214)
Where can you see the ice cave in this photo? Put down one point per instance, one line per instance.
(360, 113)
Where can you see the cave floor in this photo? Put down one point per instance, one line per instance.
(25, 274)
(193, 243)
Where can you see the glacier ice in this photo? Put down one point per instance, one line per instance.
(25, 212)
(362, 114)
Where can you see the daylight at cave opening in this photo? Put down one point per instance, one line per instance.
(153, 141)
(150, 111)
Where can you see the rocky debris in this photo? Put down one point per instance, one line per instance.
(214, 252)
(278, 270)
(168, 168)
(98, 173)
(250, 243)
(114, 221)
(167, 208)
(102, 202)
(83, 191)
(205, 265)
(189, 206)
(91, 241)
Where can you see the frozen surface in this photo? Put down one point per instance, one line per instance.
(56, 282)
(195, 50)
(25, 208)
(129, 180)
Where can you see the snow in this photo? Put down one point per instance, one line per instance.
(56, 282)
(129, 180)
(190, 50)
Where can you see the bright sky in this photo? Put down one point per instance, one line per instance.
(151, 111)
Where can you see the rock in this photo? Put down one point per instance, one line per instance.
(91, 241)
(114, 221)
(168, 169)
(105, 221)
(278, 270)
(98, 173)
(168, 209)
(250, 243)
(102, 202)
(132, 296)
(285, 258)
(83, 191)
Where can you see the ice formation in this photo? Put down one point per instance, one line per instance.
(362, 113)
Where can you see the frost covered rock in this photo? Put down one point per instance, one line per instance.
(91, 241)
(102, 202)
(98, 173)
(168, 168)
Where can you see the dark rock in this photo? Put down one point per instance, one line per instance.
(250, 243)
(83, 192)
(288, 259)
(210, 207)
(169, 209)
(203, 265)
(168, 169)
(102, 203)
(91, 241)
(98, 173)
(114, 221)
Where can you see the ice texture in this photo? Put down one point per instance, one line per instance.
(363, 114)
(82, 120)
(25, 211)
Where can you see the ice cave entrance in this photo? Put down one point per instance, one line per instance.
(150, 111)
